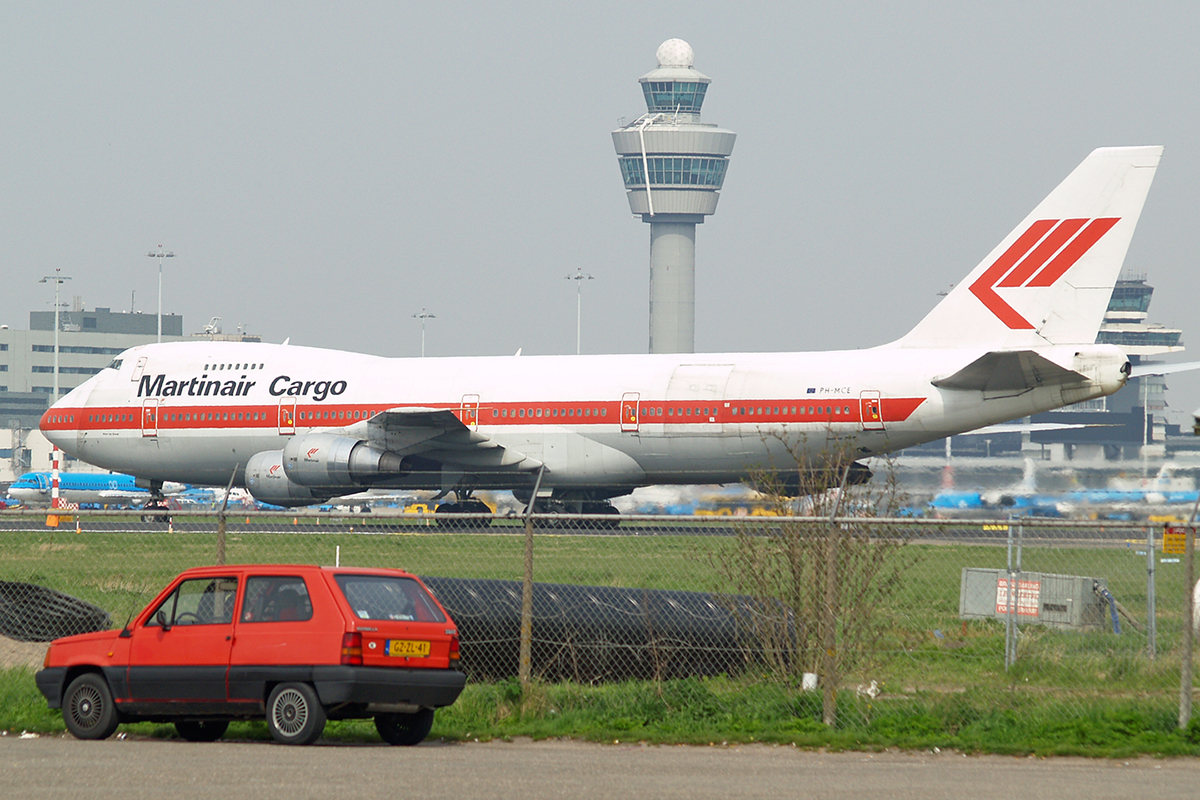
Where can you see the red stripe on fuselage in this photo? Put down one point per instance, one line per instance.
(672, 412)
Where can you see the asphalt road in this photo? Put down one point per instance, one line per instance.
(134, 769)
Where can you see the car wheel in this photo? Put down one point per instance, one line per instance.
(88, 708)
(208, 730)
(405, 729)
(294, 714)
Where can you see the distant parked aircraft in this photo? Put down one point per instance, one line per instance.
(35, 489)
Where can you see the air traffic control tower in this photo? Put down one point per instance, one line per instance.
(686, 161)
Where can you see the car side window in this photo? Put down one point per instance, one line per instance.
(198, 601)
(276, 598)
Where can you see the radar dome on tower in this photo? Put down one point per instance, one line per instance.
(675, 53)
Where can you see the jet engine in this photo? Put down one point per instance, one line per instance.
(268, 483)
(316, 467)
(328, 460)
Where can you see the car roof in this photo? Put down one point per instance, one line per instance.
(289, 569)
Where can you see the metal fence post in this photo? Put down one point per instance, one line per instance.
(829, 637)
(1185, 669)
(525, 656)
(1151, 612)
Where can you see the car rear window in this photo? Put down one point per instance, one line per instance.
(388, 597)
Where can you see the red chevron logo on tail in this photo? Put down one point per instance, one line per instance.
(1038, 258)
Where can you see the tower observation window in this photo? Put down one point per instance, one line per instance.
(675, 171)
(669, 96)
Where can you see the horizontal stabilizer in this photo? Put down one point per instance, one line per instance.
(1163, 369)
(1036, 427)
(1008, 371)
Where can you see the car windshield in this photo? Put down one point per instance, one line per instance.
(388, 597)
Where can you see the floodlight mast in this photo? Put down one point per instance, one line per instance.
(424, 315)
(579, 277)
(160, 255)
(57, 278)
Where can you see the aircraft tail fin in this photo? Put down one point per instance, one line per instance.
(1049, 281)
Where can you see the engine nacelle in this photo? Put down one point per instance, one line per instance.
(328, 460)
(268, 482)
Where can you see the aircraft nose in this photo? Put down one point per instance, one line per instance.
(59, 424)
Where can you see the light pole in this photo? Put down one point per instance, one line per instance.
(424, 315)
(58, 279)
(160, 255)
(579, 278)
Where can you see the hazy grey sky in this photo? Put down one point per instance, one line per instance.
(325, 171)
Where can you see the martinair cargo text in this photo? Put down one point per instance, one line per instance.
(298, 425)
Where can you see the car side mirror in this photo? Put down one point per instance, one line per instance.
(161, 619)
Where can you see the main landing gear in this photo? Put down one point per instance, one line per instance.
(464, 504)
(574, 507)
(155, 508)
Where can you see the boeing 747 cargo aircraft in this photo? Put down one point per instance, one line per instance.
(298, 425)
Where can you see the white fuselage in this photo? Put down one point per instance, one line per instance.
(197, 412)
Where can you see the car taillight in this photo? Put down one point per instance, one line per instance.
(352, 649)
(454, 654)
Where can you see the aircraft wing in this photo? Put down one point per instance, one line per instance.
(439, 434)
(1008, 371)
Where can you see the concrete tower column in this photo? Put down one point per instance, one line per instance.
(672, 285)
(673, 166)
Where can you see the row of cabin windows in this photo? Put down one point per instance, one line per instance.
(214, 416)
(776, 410)
(310, 415)
(655, 411)
(522, 413)
(219, 367)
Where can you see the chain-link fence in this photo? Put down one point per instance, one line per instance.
(883, 608)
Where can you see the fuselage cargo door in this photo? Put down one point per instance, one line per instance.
(629, 412)
(870, 410)
(150, 417)
(698, 391)
(287, 415)
(469, 412)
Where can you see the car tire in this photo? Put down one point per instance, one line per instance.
(405, 729)
(294, 714)
(88, 708)
(208, 730)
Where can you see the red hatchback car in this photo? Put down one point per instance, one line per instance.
(294, 644)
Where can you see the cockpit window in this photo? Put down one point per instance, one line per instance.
(114, 364)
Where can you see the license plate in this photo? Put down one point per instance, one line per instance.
(407, 647)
